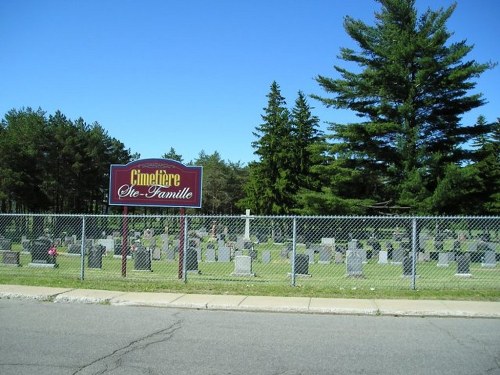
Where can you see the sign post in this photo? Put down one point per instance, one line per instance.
(154, 183)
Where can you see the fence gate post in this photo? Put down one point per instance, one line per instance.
(414, 254)
(82, 251)
(294, 248)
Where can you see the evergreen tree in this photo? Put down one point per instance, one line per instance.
(410, 93)
(172, 155)
(271, 186)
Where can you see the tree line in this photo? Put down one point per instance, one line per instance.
(408, 153)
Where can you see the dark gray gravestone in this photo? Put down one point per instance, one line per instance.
(74, 249)
(5, 244)
(407, 266)
(463, 265)
(354, 264)
(191, 260)
(224, 254)
(40, 251)
(252, 253)
(301, 264)
(142, 259)
(95, 256)
(10, 258)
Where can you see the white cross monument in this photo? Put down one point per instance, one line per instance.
(247, 218)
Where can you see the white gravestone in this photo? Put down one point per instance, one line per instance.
(382, 257)
(242, 266)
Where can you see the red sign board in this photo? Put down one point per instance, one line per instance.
(155, 182)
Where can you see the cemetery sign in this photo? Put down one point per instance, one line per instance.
(155, 182)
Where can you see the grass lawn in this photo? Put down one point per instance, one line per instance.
(325, 280)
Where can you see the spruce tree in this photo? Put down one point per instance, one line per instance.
(410, 91)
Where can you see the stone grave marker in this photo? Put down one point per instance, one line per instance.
(407, 266)
(108, 243)
(397, 255)
(242, 266)
(286, 250)
(40, 253)
(192, 260)
(339, 257)
(490, 259)
(240, 243)
(463, 265)
(354, 264)
(266, 256)
(5, 244)
(74, 249)
(382, 257)
(424, 257)
(224, 254)
(142, 258)
(170, 252)
(95, 256)
(210, 254)
(310, 254)
(156, 253)
(443, 260)
(325, 255)
(11, 258)
(302, 265)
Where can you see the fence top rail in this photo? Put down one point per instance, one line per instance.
(242, 216)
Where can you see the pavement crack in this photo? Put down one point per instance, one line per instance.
(113, 360)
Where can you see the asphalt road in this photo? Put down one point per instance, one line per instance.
(59, 338)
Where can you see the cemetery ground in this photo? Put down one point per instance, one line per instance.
(271, 278)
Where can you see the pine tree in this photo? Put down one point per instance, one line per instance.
(271, 186)
(410, 92)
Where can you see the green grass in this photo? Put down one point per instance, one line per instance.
(327, 280)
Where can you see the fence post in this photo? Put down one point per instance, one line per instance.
(185, 247)
(414, 256)
(82, 251)
(294, 248)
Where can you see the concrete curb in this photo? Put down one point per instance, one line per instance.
(333, 306)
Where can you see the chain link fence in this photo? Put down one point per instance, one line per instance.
(382, 253)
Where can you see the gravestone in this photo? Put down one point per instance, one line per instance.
(354, 264)
(443, 260)
(424, 257)
(252, 253)
(5, 244)
(40, 253)
(407, 266)
(463, 265)
(397, 255)
(74, 249)
(164, 242)
(192, 260)
(170, 252)
(240, 243)
(142, 259)
(302, 264)
(210, 254)
(156, 253)
(382, 257)
(325, 255)
(390, 250)
(266, 256)
(242, 266)
(490, 259)
(108, 243)
(11, 258)
(224, 254)
(26, 244)
(310, 254)
(339, 257)
(286, 250)
(221, 243)
(95, 256)
(451, 256)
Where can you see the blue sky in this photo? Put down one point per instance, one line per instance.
(194, 74)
